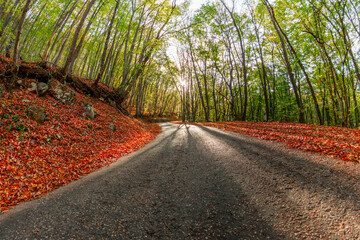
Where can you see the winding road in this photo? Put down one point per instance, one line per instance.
(195, 182)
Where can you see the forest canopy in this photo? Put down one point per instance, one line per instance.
(282, 60)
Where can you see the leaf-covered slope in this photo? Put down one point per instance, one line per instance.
(37, 158)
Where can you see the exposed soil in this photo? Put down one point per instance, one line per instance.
(195, 182)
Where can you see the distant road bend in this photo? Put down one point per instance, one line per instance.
(195, 182)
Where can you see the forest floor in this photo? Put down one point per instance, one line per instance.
(338, 142)
(36, 158)
(196, 182)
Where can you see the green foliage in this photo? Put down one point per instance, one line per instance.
(319, 38)
(231, 59)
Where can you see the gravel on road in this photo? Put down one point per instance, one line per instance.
(196, 182)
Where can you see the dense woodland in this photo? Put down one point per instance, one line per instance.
(283, 60)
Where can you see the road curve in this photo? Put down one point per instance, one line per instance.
(195, 182)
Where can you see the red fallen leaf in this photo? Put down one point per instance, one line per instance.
(63, 148)
(343, 143)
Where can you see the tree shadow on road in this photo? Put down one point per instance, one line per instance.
(174, 190)
(329, 185)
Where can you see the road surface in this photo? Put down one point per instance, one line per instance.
(194, 182)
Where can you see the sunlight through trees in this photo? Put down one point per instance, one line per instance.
(283, 60)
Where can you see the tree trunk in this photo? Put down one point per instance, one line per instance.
(32, 26)
(71, 56)
(317, 108)
(103, 63)
(16, 43)
(61, 20)
(8, 17)
(287, 62)
(243, 55)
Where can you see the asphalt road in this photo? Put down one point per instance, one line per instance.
(194, 182)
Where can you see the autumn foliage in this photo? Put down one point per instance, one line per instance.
(38, 158)
(339, 142)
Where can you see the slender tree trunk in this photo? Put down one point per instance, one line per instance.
(243, 55)
(79, 46)
(71, 56)
(103, 63)
(263, 75)
(204, 74)
(198, 83)
(32, 26)
(287, 62)
(14, 68)
(317, 108)
(8, 17)
(58, 35)
(63, 17)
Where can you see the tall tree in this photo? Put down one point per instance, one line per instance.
(71, 55)
(17, 40)
(103, 63)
